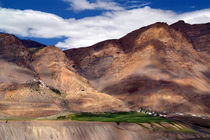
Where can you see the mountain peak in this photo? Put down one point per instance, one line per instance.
(32, 44)
(180, 22)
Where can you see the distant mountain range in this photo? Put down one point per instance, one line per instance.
(160, 67)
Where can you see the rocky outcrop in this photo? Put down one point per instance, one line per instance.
(197, 34)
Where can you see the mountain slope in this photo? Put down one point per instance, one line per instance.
(39, 83)
(156, 67)
(15, 61)
(52, 66)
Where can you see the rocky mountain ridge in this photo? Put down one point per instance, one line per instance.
(157, 67)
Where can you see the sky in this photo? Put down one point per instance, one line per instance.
(80, 23)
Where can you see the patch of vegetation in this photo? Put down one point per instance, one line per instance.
(130, 117)
(55, 90)
(61, 118)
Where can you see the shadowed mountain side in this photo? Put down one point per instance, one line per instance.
(32, 44)
(159, 95)
(198, 35)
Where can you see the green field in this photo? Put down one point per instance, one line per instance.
(130, 117)
(140, 118)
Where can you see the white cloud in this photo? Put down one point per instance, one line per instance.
(32, 23)
(131, 4)
(90, 30)
(80, 5)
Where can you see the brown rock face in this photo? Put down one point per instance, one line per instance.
(156, 67)
(14, 60)
(12, 50)
(197, 34)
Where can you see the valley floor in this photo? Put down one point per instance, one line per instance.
(103, 126)
(74, 130)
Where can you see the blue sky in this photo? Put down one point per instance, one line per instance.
(78, 23)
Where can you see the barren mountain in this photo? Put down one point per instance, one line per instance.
(39, 83)
(158, 67)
